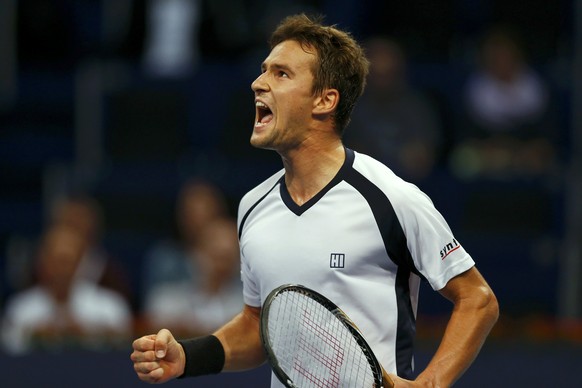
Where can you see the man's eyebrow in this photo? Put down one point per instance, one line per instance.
(277, 66)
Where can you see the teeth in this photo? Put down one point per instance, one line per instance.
(260, 104)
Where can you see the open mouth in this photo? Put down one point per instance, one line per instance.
(264, 114)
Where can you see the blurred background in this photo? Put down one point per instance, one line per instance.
(124, 128)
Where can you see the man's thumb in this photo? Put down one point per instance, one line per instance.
(161, 344)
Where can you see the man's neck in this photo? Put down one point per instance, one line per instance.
(309, 170)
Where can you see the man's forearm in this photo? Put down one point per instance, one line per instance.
(470, 323)
(241, 341)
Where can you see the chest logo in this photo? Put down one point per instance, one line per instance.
(337, 260)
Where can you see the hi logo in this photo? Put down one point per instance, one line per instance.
(337, 260)
(449, 248)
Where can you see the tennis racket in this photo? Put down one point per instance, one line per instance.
(311, 342)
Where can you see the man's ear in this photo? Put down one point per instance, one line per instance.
(327, 102)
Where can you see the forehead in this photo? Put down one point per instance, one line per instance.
(291, 53)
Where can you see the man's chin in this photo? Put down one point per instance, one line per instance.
(263, 147)
(257, 142)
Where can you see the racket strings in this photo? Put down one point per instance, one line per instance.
(315, 348)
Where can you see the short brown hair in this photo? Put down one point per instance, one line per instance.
(341, 63)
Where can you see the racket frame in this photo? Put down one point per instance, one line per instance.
(330, 306)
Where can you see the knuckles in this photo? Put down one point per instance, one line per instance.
(139, 356)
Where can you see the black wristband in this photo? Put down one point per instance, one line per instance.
(204, 356)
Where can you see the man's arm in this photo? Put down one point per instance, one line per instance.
(159, 357)
(241, 341)
(474, 314)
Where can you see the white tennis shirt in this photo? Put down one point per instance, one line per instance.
(364, 241)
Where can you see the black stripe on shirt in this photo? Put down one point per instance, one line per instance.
(396, 246)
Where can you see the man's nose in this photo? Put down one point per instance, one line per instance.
(259, 84)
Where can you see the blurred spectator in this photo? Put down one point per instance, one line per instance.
(84, 214)
(393, 122)
(171, 260)
(509, 128)
(213, 294)
(171, 45)
(63, 311)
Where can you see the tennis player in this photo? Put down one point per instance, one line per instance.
(338, 222)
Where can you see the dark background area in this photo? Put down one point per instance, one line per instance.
(80, 110)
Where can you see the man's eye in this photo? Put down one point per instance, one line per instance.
(283, 74)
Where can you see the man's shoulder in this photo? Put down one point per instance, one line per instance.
(393, 186)
(255, 194)
(376, 171)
